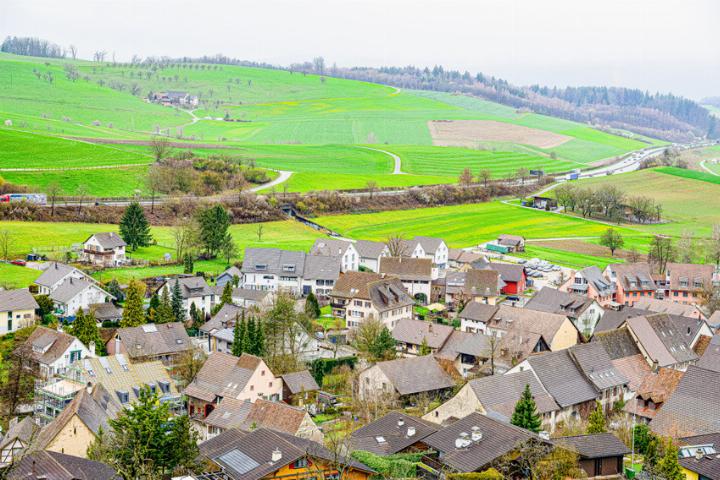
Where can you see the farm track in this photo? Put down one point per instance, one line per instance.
(397, 168)
(702, 164)
(64, 169)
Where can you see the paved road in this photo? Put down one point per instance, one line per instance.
(397, 169)
(284, 175)
(702, 164)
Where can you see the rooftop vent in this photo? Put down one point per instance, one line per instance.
(401, 422)
(276, 455)
(463, 441)
(476, 434)
(411, 431)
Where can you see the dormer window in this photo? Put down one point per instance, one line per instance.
(261, 266)
(288, 268)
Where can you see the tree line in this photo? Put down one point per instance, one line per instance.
(608, 202)
(32, 46)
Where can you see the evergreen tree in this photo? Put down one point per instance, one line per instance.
(194, 314)
(134, 227)
(153, 308)
(84, 327)
(177, 302)
(424, 348)
(251, 338)
(596, 421)
(668, 467)
(652, 455)
(312, 307)
(226, 297)
(239, 332)
(525, 414)
(113, 288)
(164, 312)
(214, 223)
(259, 348)
(383, 347)
(188, 265)
(133, 311)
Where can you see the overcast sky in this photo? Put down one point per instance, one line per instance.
(666, 45)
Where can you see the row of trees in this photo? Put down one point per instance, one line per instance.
(608, 202)
(33, 46)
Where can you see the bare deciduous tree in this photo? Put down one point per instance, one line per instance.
(371, 187)
(73, 51)
(466, 178)
(259, 232)
(53, 191)
(6, 242)
(154, 180)
(396, 246)
(484, 177)
(160, 147)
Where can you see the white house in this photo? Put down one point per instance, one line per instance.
(331, 247)
(370, 253)
(428, 247)
(228, 276)
(194, 291)
(55, 351)
(105, 249)
(54, 274)
(73, 294)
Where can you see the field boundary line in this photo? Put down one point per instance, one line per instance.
(397, 168)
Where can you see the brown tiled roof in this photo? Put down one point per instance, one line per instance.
(301, 381)
(154, 339)
(618, 343)
(710, 358)
(479, 312)
(509, 272)
(407, 268)
(463, 256)
(354, 284)
(391, 434)
(58, 466)
(388, 294)
(546, 324)
(635, 368)
(659, 386)
(512, 240)
(108, 240)
(276, 416)
(483, 282)
(663, 306)
(690, 273)
(414, 332)
(416, 375)
(222, 375)
(39, 339)
(640, 273)
(702, 344)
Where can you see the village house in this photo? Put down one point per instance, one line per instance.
(17, 310)
(174, 98)
(231, 413)
(165, 342)
(403, 379)
(299, 388)
(58, 466)
(104, 312)
(411, 335)
(699, 458)
(391, 434)
(590, 283)
(633, 281)
(55, 274)
(601, 454)
(246, 298)
(194, 291)
(269, 455)
(17, 440)
(584, 312)
(73, 294)
(219, 330)
(557, 330)
(635, 369)
(710, 358)
(661, 306)
(231, 275)
(288, 271)
(469, 353)
(331, 247)
(370, 254)
(77, 427)
(105, 249)
(358, 296)
(684, 283)
(461, 259)
(431, 248)
(512, 276)
(483, 286)
(54, 351)
(514, 243)
(665, 341)
(473, 443)
(414, 273)
(690, 410)
(544, 203)
(652, 393)
(226, 376)
(496, 396)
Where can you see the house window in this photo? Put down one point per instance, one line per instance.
(252, 388)
(262, 373)
(269, 384)
(299, 463)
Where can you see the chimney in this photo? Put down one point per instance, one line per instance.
(476, 434)
(117, 345)
(92, 348)
(655, 366)
(401, 422)
(411, 431)
(276, 455)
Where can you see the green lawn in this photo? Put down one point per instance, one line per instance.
(466, 225)
(690, 202)
(13, 276)
(105, 182)
(691, 174)
(566, 258)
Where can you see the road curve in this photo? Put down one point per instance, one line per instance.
(702, 164)
(284, 175)
(397, 169)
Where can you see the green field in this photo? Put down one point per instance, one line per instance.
(689, 204)
(287, 121)
(13, 276)
(466, 225)
(109, 182)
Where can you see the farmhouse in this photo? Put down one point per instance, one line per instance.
(414, 273)
(173, 97)
(17, 310)
(16, 440)
(684, 283)
(661, 306)
(74, 294)
(55, 274)
(434, 249)
(165, 342)
(544, 203)
(584, 312)
(404, 378)
(473, 285)
(104, 249)
(194, 291)
(461, 259)
(590, 282)
(512, 276)
(514, 243)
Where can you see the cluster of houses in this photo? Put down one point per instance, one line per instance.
(625, 337)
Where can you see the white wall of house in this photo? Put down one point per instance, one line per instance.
(318, 287)
(413, 287)
(15, 320)
(116, 257)
(350, 259)
(204, 303)
(76, 351)
(86, 297)
(461, 405)
(262, 384)
(75, 273)
(472, 326)
(374, 385)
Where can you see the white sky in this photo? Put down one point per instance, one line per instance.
(666, 45)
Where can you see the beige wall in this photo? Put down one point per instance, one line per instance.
(309, 430)
(566, 336)
(20, 319)
(459, 406)
(73, 439)
(374, 384)
(262, 385)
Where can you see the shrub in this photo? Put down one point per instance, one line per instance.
(489, 474)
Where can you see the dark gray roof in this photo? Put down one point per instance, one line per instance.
(633, 276)
(301, 381)
(416, 375)
(23, 430)
(21, 299)
(594, 277)
(391, 434)
(273, 261)
(108, 240)
(498, 439)
(708, 466)
(368, 249)
(710, 360)
(552, 300)
(500, 393)
(479, 312)
(407, 268)
(415, 331)
(224, 318)
(70, 288)
(429, 244)
(58, 466)
(330, 247)
(613, 319)
(388, 294)
(562, 378)
(105, 311)
(474, 282)
(231, 272)
(475, 344)
(599, 445)
(692, 407)
(54, 273)
(509, 272)
(154, 339)
(661, 339)
(597, 366)
(318, 267)
(617, 342)
(191, 287)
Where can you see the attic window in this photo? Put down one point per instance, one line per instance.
(164, 386)
(179, 341)
(261, 266)
(380, 439)
(288, 268)
(123, 396)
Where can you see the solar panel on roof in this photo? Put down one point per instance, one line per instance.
(149, 328)
(88, 367)
(122, 361)
(105, 364)
(238, 461)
